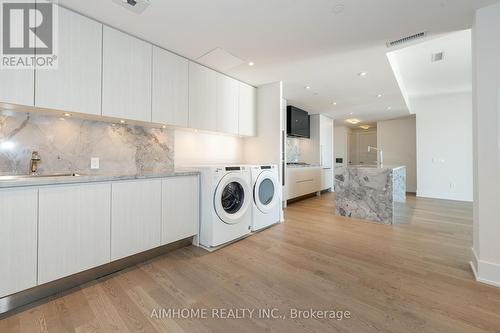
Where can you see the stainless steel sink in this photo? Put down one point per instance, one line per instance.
(20, 177)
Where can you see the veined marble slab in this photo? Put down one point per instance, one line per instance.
(67, 144)
(369, 192)
(41, 181)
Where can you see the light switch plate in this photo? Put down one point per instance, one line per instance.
(94, 163)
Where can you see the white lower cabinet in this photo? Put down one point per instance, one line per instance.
(326, 178)
(302, 181)
(74, 229)
(51, 232)
(180, 208)
(135, 217)
(18, 230)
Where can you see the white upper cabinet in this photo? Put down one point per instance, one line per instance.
(227, 103)
(18, 235)
(136, 217)
(76, 84)
(170, 88)
(180, 208)
(74, 229)
(202, 97)
(16, 86)
(247, 110)
(126, 79)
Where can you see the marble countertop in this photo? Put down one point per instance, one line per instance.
(40, 181)
(296, 166)
(381, 167)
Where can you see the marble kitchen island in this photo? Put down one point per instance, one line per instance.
(369, 192)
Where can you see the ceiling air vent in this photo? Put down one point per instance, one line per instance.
(437, 57)
(406, 39)
(136, 6)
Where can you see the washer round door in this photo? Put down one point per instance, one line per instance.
(231, 198)
(265, 191)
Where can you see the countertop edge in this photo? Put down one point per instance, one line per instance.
(388, 167)
(47, 181)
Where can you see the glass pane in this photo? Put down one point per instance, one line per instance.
(266, 191)
(232, 197)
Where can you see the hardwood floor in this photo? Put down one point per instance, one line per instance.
(410, 277)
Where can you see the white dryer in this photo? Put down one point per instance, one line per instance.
(266, 207)
(226, 204)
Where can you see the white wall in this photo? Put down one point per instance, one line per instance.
(444, 146)
(341, 143)
(359, 140)
(398, 139)
(486, 50)
(265, 148)
(193, 148)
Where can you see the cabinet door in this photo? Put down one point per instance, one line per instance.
(326, 178)
(17, 86)
(75, 85)
(18, 238)
(135, 217)
(180, 208)
(74, 229)
(170, 88)
(202, 97)
(227, 104)
(247, 110)
(126, 78)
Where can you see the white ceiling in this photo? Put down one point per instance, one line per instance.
(318, 43)
(418, 75)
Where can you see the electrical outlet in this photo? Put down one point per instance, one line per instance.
(94, 163)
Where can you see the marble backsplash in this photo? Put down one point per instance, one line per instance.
(293, 150)
(66, 145)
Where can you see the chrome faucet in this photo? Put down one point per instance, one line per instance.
(35, 160)
(381, 161)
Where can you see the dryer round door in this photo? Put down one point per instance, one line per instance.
(265, 191)
(231, 199)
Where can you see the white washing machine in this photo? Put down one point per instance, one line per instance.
(226, 204)
(266, 207)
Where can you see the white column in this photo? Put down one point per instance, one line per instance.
(486, 61)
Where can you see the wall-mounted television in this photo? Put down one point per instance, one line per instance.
(297, 123)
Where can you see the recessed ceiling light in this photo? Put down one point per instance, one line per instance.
(334, 103)
(362, 74)
(351, 113)
(307, 87)
(379, 95)
(389, 108)
(353, 121)
(251, 63)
